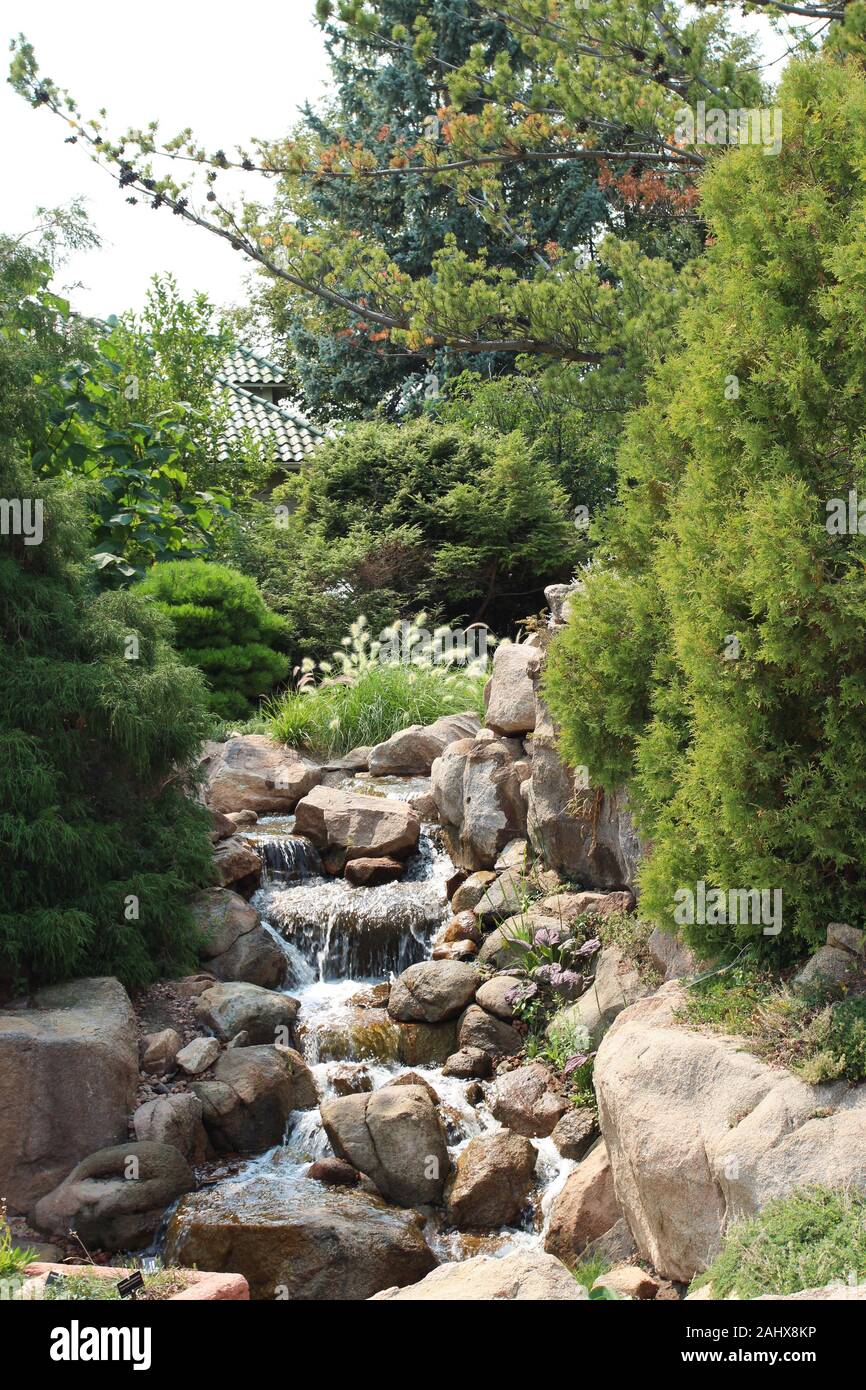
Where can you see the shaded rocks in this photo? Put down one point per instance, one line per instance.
(510, 693)
(472, 890)
(115, 1198)
(159, 1051)
(834, 964)
(253, 772)
(359, 826)
(524, 1100)
(469, 1063)
(575, 1133)
(412, 751)
(481, 1030)
(253, 1091)
(491, 1181)
(236, 946)
(313, 1244)
(236, 863)
(395, 1137)
(432, 991)
(334, 1172)
(68, 1078)
(174, 1120)
(369, 873)
(525, 1276)
(584, 1208)
(264, 1015)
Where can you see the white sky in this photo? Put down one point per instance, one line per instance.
(229, 70)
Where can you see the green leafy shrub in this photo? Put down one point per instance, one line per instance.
(716, 658)
(99, 720)
(371, 700)
(812, 1238)
(224, 627)
(13, 1258)
(837, 1038)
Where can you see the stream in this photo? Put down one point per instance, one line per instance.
(340, 942)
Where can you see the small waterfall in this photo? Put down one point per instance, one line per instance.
(287, 858)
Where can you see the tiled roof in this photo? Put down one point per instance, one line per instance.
(291, 436)
(243, 368)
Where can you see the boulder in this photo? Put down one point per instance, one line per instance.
(359, 826)
(506, 897)
(221, 827)
(463, 951)
(476, 784)
(568, 907)
(510, 694)
(584, 1208)
(463, 927)
(580, 831)
(472, 890)
(515, 855)
(395, 1137)
(262, 1013)
(308, 1244)
(701, 1133)
(174, 1120)
(506, 946)
(432, 991)
(576, 1132)
(557, 596)
(236, 946)
(854, 1292)
(425, 808)
(524, 1276)
(198, 1055)
(468, 1063)
(481, 1030)
(671, 958)
(491, 1181)
(350, 1079)
(614, 1247)
(629, 1281)
(68, 1077)
(115, 1199)
(831, 966)
(235, 862)
(848, 938)
(615, 986)
(253, 772)
(159, 1051)
(253, 1091)
(334, 1172)
(369, 873)
(493, 997)
(524, 1100)
(412, 751)
(412, 1078)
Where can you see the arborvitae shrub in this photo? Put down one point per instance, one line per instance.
(99, 846)
(745, 758)
(224, 627)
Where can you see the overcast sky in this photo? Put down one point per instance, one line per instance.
(228, 70)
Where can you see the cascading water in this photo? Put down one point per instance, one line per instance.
(341, 942)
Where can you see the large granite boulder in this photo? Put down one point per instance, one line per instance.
(254, 773)
(524, 1276)
(477, 788)
(412, 751)
(246, 1105)
(510, 693)
(236, 1007)
(115, 1199)
(362, 827)
(236, 945)
(701, 1133)
(491, 1181)
(584, 1209)
(432, 991)
(525, 1101)
(396, 1137)
(176, 1120)
(68, 1077)
(303, 1243)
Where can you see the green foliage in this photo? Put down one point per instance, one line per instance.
(745, 771)
(837, 1040)
(223, 626)
(814, 1237)
(390, 520)
(99, 848)
(371, 699)
(13, 1258)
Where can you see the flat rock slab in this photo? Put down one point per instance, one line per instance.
(360, 826)
(526, 1276)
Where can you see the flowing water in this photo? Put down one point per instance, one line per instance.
(341, 942)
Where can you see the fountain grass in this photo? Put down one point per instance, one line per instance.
(813, 1237)
(380, 700)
